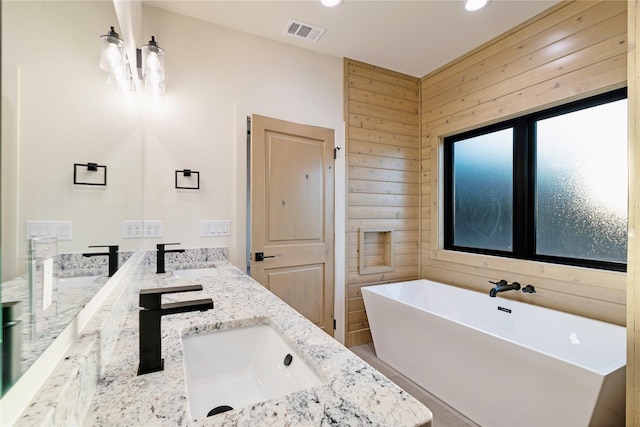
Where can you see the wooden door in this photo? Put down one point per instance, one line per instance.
(292, 209)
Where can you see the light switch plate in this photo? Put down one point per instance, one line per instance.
(215, 228)
(63, 230)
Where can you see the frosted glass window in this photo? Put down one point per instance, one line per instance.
(549, 186)
(483, 188)
(581, 184)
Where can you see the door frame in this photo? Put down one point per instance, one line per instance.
(237, 254)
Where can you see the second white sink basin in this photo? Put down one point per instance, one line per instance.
(233, 368)
(195, 272)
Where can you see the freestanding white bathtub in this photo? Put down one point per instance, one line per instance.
(500, 362)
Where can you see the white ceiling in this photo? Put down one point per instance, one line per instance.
(414, 37)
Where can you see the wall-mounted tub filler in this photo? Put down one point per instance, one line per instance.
(151, 311)
(529, 289)
(503, 286)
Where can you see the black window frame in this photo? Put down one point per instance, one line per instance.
(524, 184)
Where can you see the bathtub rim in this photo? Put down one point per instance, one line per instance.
(605, 369)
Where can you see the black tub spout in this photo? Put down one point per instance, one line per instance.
(503, 286)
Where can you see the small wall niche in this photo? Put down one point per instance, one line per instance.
(377, 251)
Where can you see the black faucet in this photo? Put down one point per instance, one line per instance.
(151, 311)
(160, 255)
(503, 286)
(112, 254)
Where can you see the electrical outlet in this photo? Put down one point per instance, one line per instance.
(131, 229)
(153, 229)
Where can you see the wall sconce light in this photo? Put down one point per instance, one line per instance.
(150, 64)
(153, 67)
(113, 60)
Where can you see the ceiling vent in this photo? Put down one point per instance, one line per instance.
(305, 31)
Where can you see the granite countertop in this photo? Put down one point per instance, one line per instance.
(354, 394)
(67, 300)
(49, 323)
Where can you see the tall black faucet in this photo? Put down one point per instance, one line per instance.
(160, 255)
(151, 311)
(112, 254)
(503, 286)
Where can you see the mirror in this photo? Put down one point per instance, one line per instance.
(58, 116)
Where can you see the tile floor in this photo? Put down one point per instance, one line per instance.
(443, 414)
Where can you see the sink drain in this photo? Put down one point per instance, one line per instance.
(287, 360)
(218, 410)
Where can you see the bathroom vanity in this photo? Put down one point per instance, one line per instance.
(351, 392)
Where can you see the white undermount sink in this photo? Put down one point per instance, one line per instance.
(233, 368)
(195, 272)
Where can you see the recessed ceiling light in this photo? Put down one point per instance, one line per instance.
(331, 3)
(473, 5)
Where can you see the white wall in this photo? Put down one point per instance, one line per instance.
(215, 77)
(210, 71)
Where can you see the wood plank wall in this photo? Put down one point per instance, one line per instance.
(633, 263)
(573, 50)
(383, 158)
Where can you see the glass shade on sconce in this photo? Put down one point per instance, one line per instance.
(331, 3)
(113, 59)
(153, 67)
(473, 5)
